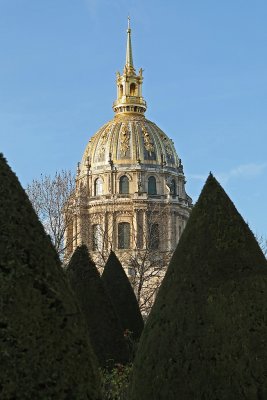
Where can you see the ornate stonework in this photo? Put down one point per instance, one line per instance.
(149, 146)
(125, 139)
(130, 192)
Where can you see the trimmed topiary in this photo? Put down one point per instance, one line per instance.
(206, 336)
(122, 296)
(44, 352)
(105, 331)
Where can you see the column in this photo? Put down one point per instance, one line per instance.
(145, 236)
(79, 229)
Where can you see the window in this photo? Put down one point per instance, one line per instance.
(97, 237)
(152, 185)
(124, 184)
(98, 186)
(123, 235)
(121, 90)
(132, 89)
(154, 236)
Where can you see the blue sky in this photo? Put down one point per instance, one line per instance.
(205, 82)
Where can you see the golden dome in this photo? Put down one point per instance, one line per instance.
(130, 185)
(130, 139)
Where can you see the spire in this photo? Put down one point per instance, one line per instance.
(129, 85)
(129, 53)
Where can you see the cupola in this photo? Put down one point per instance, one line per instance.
(129, 84)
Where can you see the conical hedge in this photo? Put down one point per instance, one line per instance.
(122, 296)
(206, 336)
(105, 331)
(44, 353)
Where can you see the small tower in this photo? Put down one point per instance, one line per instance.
(129, 85)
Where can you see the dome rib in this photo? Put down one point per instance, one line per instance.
(133, 140)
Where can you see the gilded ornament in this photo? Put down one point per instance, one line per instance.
(101, 151)
(169, 149)
(149, 146)
(103, 140)
(167, 144)
(125, 139)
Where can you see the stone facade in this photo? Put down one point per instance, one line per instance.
(130, 186)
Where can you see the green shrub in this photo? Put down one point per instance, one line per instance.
(115, 383)
(105, 331)
(122, 296)
(206, 336)
(44, 351)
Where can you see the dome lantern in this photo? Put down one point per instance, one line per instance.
(129, 85)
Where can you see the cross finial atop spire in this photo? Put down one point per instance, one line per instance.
(129, 54)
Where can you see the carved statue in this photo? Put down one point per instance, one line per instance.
(171, 185)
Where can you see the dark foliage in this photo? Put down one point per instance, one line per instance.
(115, 382)
(105, 331)
(122, 296)
(206, 337)
(44, 353)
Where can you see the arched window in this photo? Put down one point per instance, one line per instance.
(152, 185)
(123, 235)
(98, 186)
(124, 184)
(153, 236)
(121, 90)
(132, 89)
(97, 237)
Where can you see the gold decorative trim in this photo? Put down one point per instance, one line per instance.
(125, 139)
(104, 139)
(149, 146)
